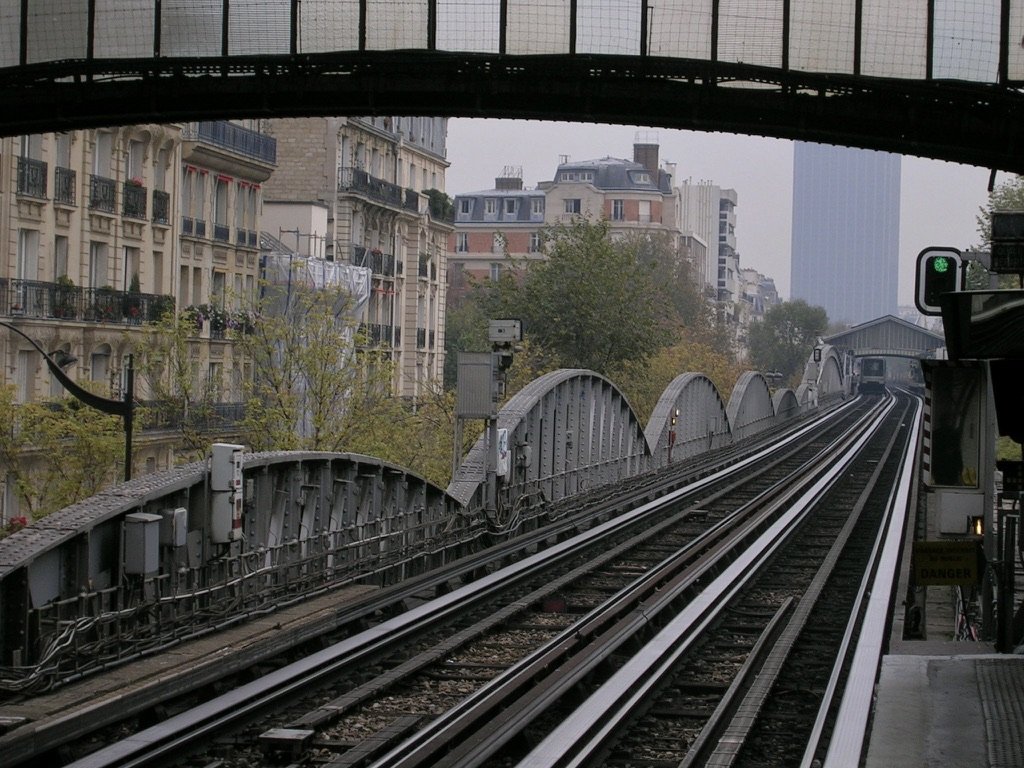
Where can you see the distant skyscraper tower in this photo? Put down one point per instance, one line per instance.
(846, 231)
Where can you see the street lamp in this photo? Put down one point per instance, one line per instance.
(123, 408)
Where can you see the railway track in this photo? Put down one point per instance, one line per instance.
(458, 679)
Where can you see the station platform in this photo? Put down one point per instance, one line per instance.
(949, 705)
(945, 702)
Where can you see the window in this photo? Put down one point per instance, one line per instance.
(495, 271)
(60, 256)
(183, 287)
(136, 156)
(131, 268)
(158, 272)
(490, 206)
(160, 170)
(641, 177)
(461, 242)
(534, 246)
(27, 267)
(98, 265)
(26, 375)
(218, 288)
(63, 150)
(56, 388)
(618, 210)
(510, 206)
(101, 154)
(645, 211)
(577, 176)
(220, 209)
(99, 368)
(537, 206)
(465, 206)
(572, 205)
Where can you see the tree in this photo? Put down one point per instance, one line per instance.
(1006, 197)
(57, 452)
(590, 304)
(643, 383)
(784, 339)
(166, 362)
(310, 387)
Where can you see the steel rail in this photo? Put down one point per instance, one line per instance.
(175, 734)
(584, 731)
(489, 718)
(849, 735)
(726, 732)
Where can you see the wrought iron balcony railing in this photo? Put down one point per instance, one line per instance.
(64, 189)
(31, 177)
(379, 263)
(161, 207)
(421, 338)
(242, 141)
(377, 334)
(221, 232)
(62, 301)
(102, 194)
(360, 182)
(201, 417)
(133, 202)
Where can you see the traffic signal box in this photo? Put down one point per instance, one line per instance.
(939, 271)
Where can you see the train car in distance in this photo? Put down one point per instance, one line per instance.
(872, 376)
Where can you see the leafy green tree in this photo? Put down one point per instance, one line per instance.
(590, 304)
(1006, 197)
(166, 363)
(310, 387)
(57, 452)
(786, 336)
(644, 382)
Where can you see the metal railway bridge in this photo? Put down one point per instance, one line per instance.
(151, 561)
(939, 79)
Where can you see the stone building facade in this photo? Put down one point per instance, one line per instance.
(381, 181)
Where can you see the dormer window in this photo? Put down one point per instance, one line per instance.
(641, 177)
(577, 176)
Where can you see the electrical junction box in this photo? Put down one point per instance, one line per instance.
(504, 331)
(226, 467)
(141, 543)
(174, 527)
(225, 517)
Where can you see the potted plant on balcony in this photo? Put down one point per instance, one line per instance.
(64, 299)
(105, 304)
(133, 302)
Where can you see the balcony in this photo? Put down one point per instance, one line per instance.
(234, 138)
(378, 190)
(64, 191)
(246, 238)
(221, 232)
(379, 263)
(161, 207)
(424, 265)
(376, 334)
(64, 301)
(31, 177)
(421, 338)
(204, 418)
(102, 194)
(133, 200)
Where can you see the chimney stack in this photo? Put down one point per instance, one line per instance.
(511, 178)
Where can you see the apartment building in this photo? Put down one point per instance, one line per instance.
(508, 221)
(103, 231)
(381, 181)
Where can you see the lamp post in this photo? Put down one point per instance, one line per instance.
(123, 408)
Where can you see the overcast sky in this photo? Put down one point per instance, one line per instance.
(939, 201)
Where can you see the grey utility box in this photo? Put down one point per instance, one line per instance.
(141, 543)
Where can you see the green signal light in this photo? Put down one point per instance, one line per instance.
(940, 264)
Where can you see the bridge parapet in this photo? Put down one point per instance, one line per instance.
(700, 421)
(568, 431)
(311, 521)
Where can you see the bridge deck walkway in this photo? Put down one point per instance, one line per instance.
(54, 717)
